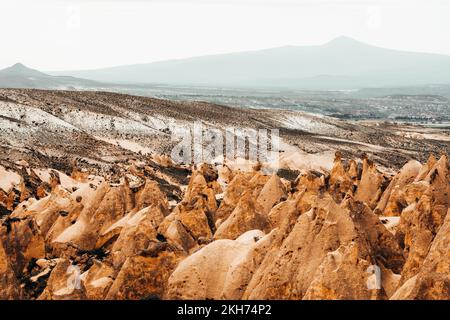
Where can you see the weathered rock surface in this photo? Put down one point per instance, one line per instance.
(9, 284)
(432, 281)
(423, 217)
(144, 276)
(371, 183)
(354, 232)
(345, 239)
(248, 215)
(220, 270)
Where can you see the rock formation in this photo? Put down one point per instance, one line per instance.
(358, 231)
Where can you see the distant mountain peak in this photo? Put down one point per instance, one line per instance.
(21, 76)
(21, 69)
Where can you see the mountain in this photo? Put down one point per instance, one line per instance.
(20, 76)
(342, 63)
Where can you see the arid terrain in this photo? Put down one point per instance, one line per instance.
(92, 206)
(101, 129)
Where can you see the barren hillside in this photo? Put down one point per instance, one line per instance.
(101, 128)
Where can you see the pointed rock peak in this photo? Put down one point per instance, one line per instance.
(443, 159)
(431, 161)
(337, 156)
(410, 170)
(275, 180)
(353, 169)
(439, 168)
(338, 172)
(272, 192)
(367, 163)
(338, 167)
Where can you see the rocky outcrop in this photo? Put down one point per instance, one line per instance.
(220, 270)
(144, 276)
(327, 238)
(393, 200)
(9, 284)
(423, 217)
(271, 194)
(92, 226)
(342, 180)
(98, 280)
(370, 187)
(432, 280)
(241, 182)
(354, 232)
(247, 215)
(192, 220)
(64, 283)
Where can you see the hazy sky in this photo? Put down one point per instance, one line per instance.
(80, 34)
